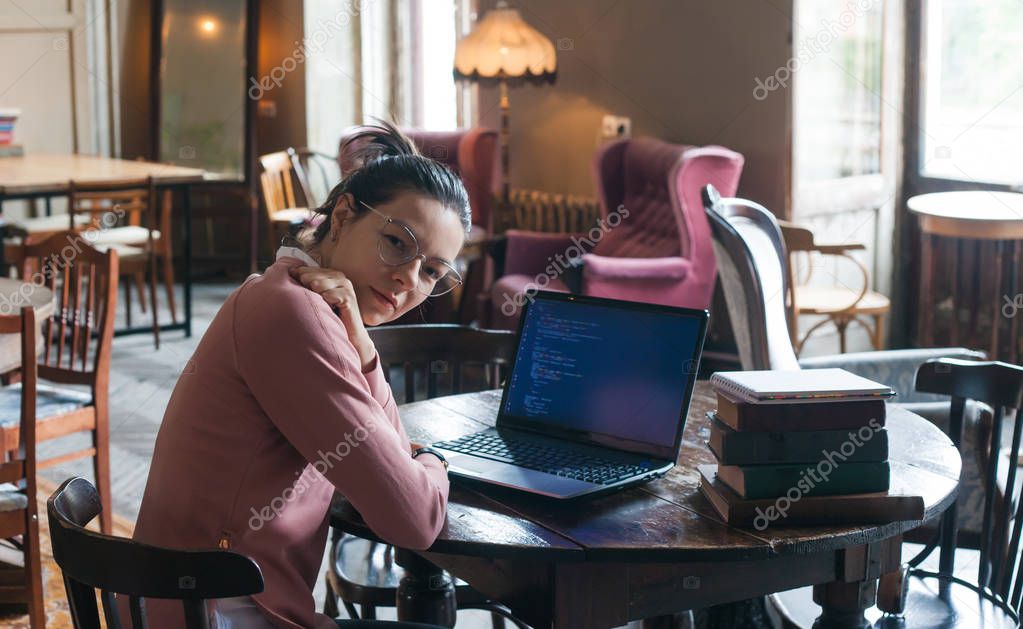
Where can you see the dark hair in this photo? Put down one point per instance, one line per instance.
(386, 163)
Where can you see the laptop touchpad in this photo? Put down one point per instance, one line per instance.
(475, 466)
(514, 476)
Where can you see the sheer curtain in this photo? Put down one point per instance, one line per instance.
(388, 59)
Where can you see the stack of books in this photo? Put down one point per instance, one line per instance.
(8, 148)
(801, 447)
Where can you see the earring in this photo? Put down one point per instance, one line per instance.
(333, 236)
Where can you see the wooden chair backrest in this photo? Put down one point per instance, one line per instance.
(91, 561)
(79, 335)
(444, 350)
(1000, 386)
(23, 466)
(278, 181)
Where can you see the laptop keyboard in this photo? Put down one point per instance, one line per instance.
(550, 459)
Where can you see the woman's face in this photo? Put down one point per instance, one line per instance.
(386, 292)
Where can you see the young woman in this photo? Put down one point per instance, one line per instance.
(284, 400)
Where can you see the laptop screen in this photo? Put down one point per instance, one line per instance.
(615, 373)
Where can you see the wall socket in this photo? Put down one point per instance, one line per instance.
(616, 127)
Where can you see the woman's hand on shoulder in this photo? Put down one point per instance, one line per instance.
(337, 290)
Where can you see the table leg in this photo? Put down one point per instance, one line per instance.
(842, 604)
(996, 319)
(186, 207)
(953, 289)
(925, 309)
(1014, 289)
(426, 593)
(974, 272)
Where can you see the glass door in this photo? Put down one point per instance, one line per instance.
(845, 138)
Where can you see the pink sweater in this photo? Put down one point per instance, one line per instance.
(270, 416)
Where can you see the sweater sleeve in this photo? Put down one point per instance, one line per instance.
(297, 360)
(381, 392)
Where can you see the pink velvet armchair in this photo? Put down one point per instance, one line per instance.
(472, 153)
(653, 242)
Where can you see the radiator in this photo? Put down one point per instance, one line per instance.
(534, 210)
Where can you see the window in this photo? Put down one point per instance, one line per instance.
(972, 91)
(365, 61)
(837, 92)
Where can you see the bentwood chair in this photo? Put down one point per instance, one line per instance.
(92, 561)
(752, 263)
(19, 524)
(837, 302)
(999, 582)
(75, 357)
(453, 359)
(119, 566)
(129, 218)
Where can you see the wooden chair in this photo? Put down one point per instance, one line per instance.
(838, 303)
(128, 218)
(317, 173)
(362, 572)
(76, 352)
(18, 474)
(278, 180)
(999, 568)
(113, 565)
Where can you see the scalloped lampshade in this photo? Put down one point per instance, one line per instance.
(504, 46)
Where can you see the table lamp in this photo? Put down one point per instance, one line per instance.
(504, 49)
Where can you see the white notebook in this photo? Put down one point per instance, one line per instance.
(805, 385)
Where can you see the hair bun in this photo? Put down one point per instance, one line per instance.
(373, 142)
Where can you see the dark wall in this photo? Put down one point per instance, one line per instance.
(683, 70)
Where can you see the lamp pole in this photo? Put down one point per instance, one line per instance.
(505, 110)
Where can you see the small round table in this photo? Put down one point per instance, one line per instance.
(651, 550)
(975, 216)
(15, 295)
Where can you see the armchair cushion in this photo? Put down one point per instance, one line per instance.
(531, 253)
(597, 267)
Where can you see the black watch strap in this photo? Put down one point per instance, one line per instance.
(429, 450)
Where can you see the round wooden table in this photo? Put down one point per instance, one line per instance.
(15, 295)
(651, 550)
(975, 216)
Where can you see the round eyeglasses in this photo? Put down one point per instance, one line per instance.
(397, 245)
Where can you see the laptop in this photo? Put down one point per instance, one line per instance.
(596, 398)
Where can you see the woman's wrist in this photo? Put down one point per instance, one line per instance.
(366, 350)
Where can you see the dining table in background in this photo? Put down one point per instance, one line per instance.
(649, 551)
(44, 176)
(15, 295)
(966, 220)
